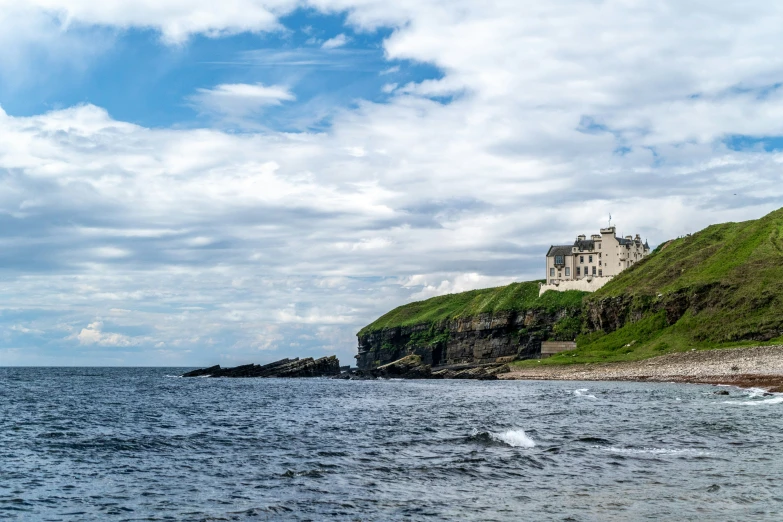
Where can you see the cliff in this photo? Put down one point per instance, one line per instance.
(477, 327)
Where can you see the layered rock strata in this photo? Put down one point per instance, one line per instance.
(308, 367)
(484, 339)
(412, 367)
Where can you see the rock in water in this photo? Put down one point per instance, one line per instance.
(412, 367)
(409, 367)
(308, 367)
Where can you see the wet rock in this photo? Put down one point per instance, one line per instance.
(409, 367)
(308, 367)
(721, 392)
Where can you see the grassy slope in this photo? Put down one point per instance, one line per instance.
(516, 296)
(745, 259)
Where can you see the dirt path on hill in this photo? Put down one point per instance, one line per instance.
(757, 367)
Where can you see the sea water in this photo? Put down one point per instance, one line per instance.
(143, 444)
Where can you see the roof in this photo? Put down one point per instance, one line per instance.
(559, 250)
(585, 244)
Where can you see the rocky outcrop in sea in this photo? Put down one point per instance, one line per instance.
(308, 367)
(413, 367)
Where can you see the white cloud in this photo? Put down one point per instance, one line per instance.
(92, 334)
(265, 240)
(333, 43)
(240, 99)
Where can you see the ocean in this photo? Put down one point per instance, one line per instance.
(144, 444)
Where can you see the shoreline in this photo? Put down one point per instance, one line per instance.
(747, 367)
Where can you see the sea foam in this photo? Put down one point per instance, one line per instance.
(515, 438)
(582, 392)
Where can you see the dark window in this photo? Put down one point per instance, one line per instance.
(600, 272)
(559, 260)
(577, 270)
(591, 259)
(593, 270)
(581, 259)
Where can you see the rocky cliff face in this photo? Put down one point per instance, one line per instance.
(486, 338)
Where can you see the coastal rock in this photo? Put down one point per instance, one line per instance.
(308, 367)
(409, 367)
(487, 338)
(412, 367)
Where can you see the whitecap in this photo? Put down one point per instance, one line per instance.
(773, 400)
(582, 392)
(515, 438)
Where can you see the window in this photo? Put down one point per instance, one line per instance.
(559, 260)
(577, 270)
(599, 246)
(551, 272)
(600, 272)
(599, 263)
(568, 272)
(593, 270)
(581, 259)
(591, 259)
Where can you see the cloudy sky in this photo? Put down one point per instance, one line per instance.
(191, 182)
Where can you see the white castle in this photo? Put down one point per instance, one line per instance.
(588, 264)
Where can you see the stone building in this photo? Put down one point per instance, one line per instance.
(588, 264)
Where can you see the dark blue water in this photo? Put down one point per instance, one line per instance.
(135, 444)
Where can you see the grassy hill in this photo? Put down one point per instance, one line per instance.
(720, 287)
(513, 297)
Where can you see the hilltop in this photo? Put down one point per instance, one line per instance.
(720, 287)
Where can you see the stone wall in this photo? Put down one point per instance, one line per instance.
(588, 284)
(549, 348)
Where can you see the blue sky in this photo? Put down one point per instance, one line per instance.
(192, 183)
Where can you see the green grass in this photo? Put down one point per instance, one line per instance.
(513, 297)
(728, 278)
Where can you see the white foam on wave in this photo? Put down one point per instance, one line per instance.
(754, 394)
(582, 392)
(515, 438)
(773, 400)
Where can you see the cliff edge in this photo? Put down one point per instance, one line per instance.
(493, 325)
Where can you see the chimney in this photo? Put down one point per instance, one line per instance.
(628, 237)
(581, 237)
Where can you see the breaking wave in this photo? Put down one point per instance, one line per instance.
(754, 396)
(582, 392)
(514, 438)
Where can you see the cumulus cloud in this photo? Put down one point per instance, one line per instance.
(333, 43)
(249, 246)
(92, 334)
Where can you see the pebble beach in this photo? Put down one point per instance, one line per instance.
(749, 367)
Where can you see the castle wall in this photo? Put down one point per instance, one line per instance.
(589, 284)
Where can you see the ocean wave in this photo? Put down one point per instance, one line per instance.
(582, 392)
(514, 438)
(653, 451)
(773, 400)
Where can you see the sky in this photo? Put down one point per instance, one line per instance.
(188, 183)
